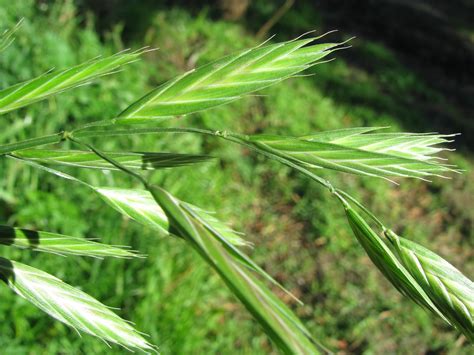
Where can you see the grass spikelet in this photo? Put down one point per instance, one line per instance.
(281, 325)
(131, 160)
(386, 261)
(59, 244)
(6, 38)
(448, 288)
(361, 152)
(226, 80)
(55, 82)
(70, 305)
(140, 206)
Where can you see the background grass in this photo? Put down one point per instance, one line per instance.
(300, 233)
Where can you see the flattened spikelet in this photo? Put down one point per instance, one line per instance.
(131, 160)
(55, 82)
(358, 151)
(226, 80)
(70, 305)
(387, 262)
(448, 288)
(60, 244)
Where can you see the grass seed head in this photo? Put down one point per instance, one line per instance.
(447, 287)
(387, 262)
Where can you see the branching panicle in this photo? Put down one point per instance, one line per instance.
(417, 273)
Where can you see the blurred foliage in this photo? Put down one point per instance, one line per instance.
(300, 233)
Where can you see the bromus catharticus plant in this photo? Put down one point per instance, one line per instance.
(423, 277)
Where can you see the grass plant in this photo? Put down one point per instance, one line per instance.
(360, 151)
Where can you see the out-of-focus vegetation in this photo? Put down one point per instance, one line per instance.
(300, 236)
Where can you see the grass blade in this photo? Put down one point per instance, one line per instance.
(70, 305)
(59, 244)
(226, 80)
(55, 82)
(132, 160)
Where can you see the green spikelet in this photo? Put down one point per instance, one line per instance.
(447, 287)
(388, 264)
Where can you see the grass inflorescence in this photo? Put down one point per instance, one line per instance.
(358, 150)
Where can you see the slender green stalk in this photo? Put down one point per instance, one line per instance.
(113, 162)
(85, 133)
(31, 143)
(361, 206)
(229, 136)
